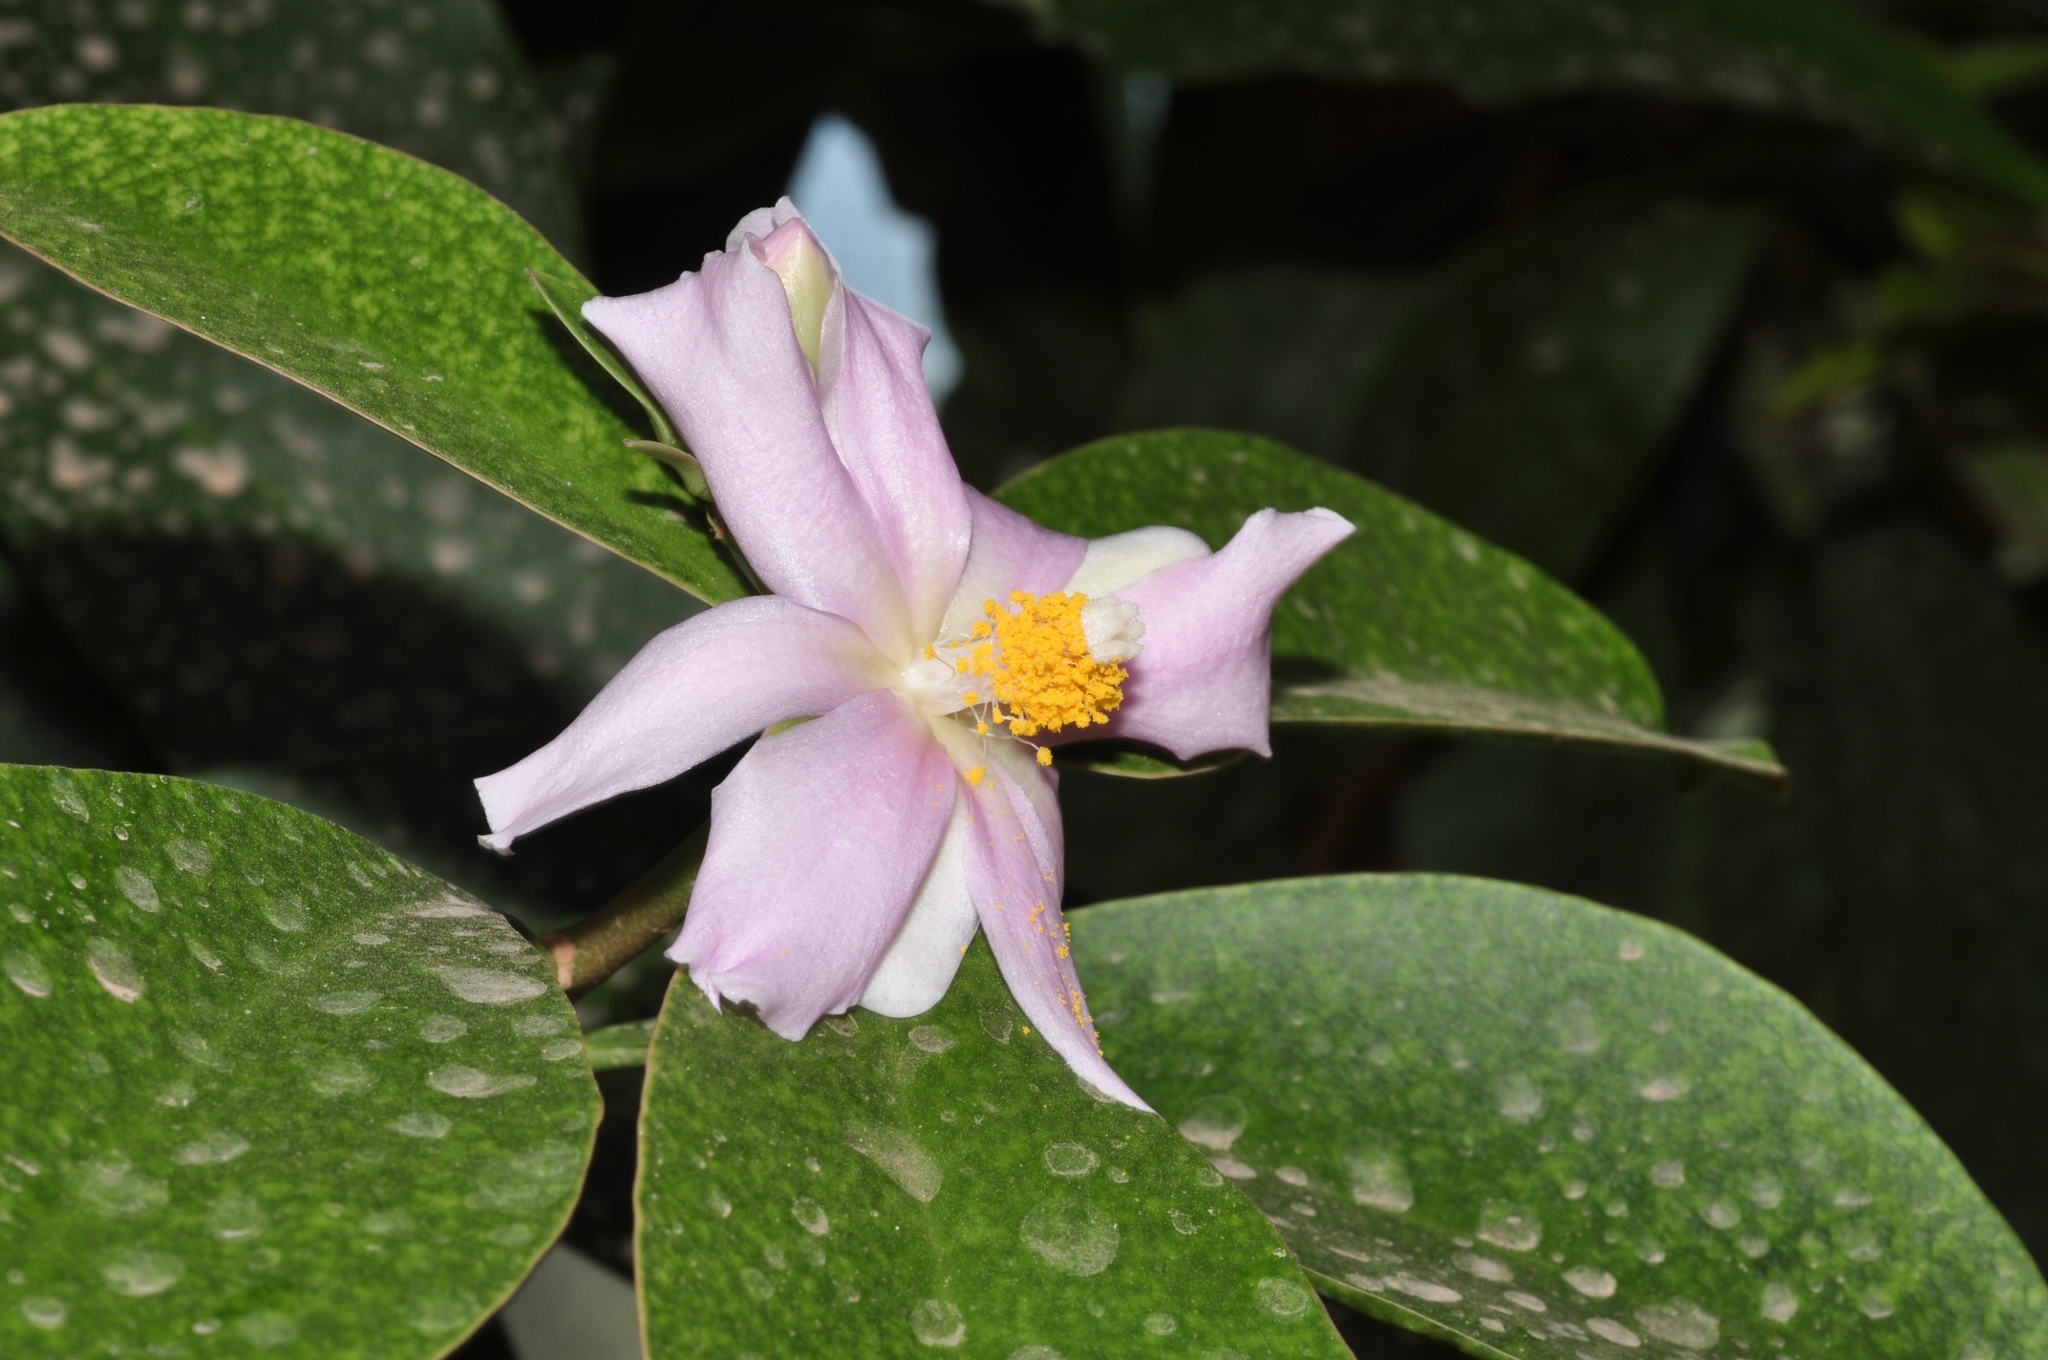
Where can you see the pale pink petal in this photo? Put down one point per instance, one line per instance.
(918, 968)
(1203, 680)
(880, 413)
(716, 348)
(819, 841)
(1017, 894)
(703, 685)
(1008, 552)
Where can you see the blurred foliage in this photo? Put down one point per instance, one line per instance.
(1806, 469)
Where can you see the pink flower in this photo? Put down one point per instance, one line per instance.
(934, 639)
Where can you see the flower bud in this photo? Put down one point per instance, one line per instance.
(807, 277)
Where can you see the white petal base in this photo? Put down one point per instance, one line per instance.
(1115, 562)
(919, 967)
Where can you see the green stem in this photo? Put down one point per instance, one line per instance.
(621, 930)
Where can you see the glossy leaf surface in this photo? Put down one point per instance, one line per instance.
(1542, 1128)
(390, 286)
(944, 1181)
(267, 1083)
(395, 628)
(1410, 624)
(441, 80)
(1813, 58)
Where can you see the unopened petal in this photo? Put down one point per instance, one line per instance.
(1203, 680)
(1008, 552)
(820, 839)
(701, 686)
(1121, 559)
(717, 349)
(1019, 905)
(914, 975)
(880, 413)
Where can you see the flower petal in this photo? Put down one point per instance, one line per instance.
(1121, 559)
(820, 839)
(1203, 681)
(1019, 905)
(880, 413)
(717, 350)
(703, 685)
(914, 975)
(1008, 552)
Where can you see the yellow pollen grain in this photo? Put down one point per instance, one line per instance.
(975, 775)
(1041, 677)
(930, 652)
(981, 729)
(1044, 755)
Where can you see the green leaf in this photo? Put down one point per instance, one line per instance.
(136, 454)
(1132, 760)
(264, 1081)
(1409, 625)
(1995, 68)
(1896, 892)
(1541, 1128)
(565, 298)
(1813, 58)
(268, 581)
(942, 1180)
(617, 1046)
(1529, 390)
(2009, 483)
(442, 81)
(390, 286)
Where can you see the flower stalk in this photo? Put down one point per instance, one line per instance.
(622, 929)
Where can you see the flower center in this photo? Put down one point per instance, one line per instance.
(1034, 656)
(1041, 663)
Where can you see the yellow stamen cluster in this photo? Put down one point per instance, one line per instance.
(1034, 655)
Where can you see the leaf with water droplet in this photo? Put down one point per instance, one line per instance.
(978, 1198)
(352, 235)
(1399, 627)
(1590, 1211)
(175, 1130)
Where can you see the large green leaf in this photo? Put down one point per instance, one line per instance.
(1542, 1128)
(265, 1081)
(1897, 891)
(390, 286)
(133, 457)
(1816, 58)
(942, 1180)
(1528, 391)
(268, 581)
(440, 80)
(1410, 625)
